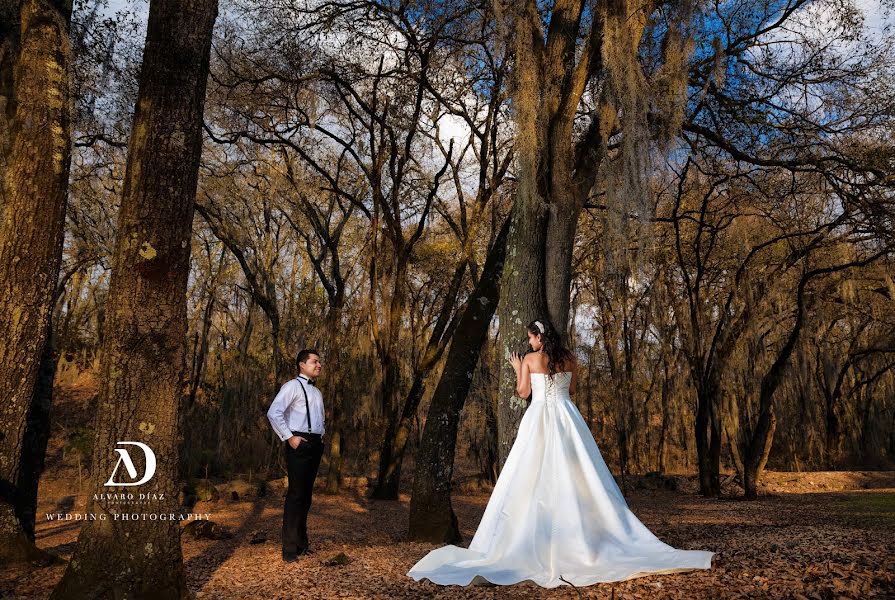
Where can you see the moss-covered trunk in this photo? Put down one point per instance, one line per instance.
(554, 176)
(143, 366)
(35, 135)
(432, 517)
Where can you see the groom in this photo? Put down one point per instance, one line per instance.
(296, 415)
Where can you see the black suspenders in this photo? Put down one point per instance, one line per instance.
(307, 406)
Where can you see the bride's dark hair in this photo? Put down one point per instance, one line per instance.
(553, 346)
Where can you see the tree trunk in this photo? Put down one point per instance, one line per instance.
(758, 448)
(334, 475)
(389, 389)
(432, 517)
(37, 434)
(708, 441)
(561, 227)
(143, 362)
(753, 465)
(35, 107)
(491, 466)
(554, 177)
(715, 447)
(833, 438)
(395, 443)
(731, 428)
(522, 300)
(331, 348)
(591, 375)
(666, 417)
(387, 481)
(198, 367)
(197, 372)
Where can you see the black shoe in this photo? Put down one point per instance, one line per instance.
(290, 557)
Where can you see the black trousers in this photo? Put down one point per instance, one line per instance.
(302, 464)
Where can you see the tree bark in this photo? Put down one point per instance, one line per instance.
(708, 439)
(565, 210)
(36, 148)
(397, 435)
(143, 364)
(555, 175)
(37, 434)
(522, 300)
(432, 517)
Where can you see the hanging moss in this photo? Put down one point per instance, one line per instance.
(641, 114)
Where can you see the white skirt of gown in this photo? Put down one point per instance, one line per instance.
(556, 512)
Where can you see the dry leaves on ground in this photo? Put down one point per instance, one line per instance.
(815, 545)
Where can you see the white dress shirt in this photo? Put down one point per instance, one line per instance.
(287, 412)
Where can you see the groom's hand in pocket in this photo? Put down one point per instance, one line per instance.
(294, 441)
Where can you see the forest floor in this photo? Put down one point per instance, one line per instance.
(819, 535)
(812, 535)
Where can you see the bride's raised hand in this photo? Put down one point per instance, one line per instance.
(516, 360)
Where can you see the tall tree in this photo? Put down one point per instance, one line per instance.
(143, 361)
(35, 153)
(559, 153)
(432, 516)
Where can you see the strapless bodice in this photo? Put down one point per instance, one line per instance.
(545, 388)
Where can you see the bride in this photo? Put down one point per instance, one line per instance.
(556, 515)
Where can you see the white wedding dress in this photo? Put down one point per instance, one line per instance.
(556, 512)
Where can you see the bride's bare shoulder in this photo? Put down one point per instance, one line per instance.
(536, 361)
(529, 358)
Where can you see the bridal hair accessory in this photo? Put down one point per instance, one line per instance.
(540, 326)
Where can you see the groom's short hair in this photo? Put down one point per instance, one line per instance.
(303, 355)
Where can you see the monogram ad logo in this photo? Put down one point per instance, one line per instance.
(125, 474)
(125, 458)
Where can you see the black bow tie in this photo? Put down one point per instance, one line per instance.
(310, 382)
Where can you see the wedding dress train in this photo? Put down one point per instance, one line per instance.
(556, 515)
